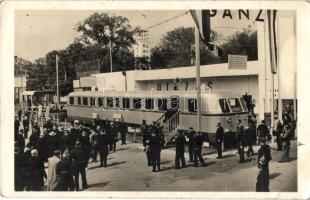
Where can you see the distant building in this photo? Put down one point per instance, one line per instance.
(20, 82)
(141, 48)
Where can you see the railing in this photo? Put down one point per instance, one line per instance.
(161, 119)
(173, 122)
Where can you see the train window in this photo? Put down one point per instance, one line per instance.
(192, 105)
(110, 102)
(71, 99)
(92, 101)
(174, 103)
(235, 105)
(117, 105)
(137, 103)
(162, 104)
(85, 101)
(126, 103)
(149, 104)
(100, 101)
(79, 100)
(224, 105)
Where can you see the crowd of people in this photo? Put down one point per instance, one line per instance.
(67, 152)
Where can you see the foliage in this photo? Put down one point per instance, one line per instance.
(244, 43)
(177, 49)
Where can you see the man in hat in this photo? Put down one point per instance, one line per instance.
(180, 142)
(65, 141)
(262, 130)
(155, 148)
(26, 126)
(198, 142)
(240, 140)
(146, 135)
(123, 130)
(19, 169)
(78, 166)
(219, 138)
(85, 142)
(264, 156)
(75, 133)
(286, 143)
(16, 125)
(191, 142)
(64, 173)
(19, 138)
(51, 176)
(52, 142)
(250, 138)
(103, 149)
(35, 172)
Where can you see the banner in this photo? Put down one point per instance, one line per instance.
(271, 17)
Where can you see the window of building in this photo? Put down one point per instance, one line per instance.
(85, 101)
(100, 101)
(110, 102)
(137, 103)
(149, 104)
(224, 105)
(235, 105)
(126, 103)
(162, 104)
(71, 100)
(79, 100)
(192, 105)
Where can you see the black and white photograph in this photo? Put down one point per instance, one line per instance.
(155, 100)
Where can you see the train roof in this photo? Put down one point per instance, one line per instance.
(187, 93)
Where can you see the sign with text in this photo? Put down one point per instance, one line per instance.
(237, 61)
(87, 81)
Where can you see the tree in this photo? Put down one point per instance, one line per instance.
(177, 49)
(242, 42)
(142, 63)
(101, 29)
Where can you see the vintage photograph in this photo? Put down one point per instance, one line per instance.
(155, 100)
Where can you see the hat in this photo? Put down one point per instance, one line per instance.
(66, 152)
(191, 128)
(56, 152)
(76, 121)
(263, 139)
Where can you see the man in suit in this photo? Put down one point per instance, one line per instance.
(180, 142)
(78, 166)
(219, 138)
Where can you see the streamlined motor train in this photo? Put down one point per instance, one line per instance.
(175, 109)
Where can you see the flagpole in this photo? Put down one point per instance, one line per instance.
(57, 100)
(197, 63)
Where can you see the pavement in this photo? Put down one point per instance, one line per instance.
(128, 171)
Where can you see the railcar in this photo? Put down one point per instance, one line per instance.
(174, 109)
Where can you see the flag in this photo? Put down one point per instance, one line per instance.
(271, 17)
(202, 21)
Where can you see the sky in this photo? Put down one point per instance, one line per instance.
(39, 31)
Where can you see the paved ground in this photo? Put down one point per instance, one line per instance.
(127, 171)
